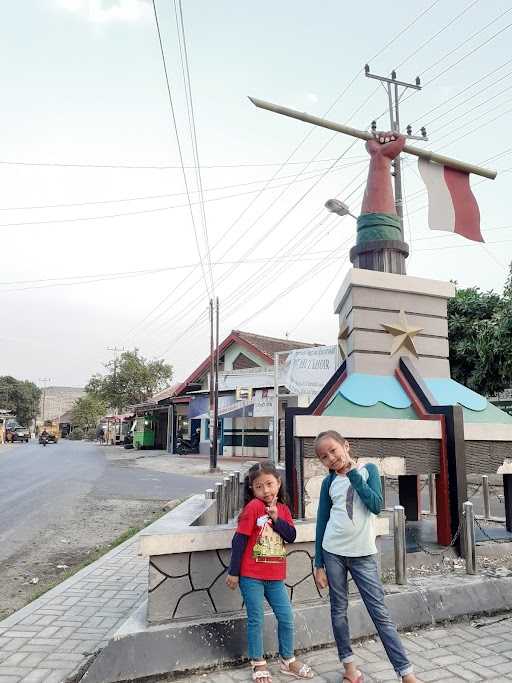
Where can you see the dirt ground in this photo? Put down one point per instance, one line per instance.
(88, 531)
(80, 537)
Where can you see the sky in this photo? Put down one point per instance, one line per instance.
(99, 246)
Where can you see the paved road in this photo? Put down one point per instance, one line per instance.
(38, 485)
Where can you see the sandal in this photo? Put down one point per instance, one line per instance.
(304, 671)
(261, 675)
(358, 679)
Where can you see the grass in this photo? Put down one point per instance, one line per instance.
(94, 555)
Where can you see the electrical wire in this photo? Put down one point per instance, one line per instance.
(153, 167)
(185, 69)
(117, 200)
(308, 134)
(184, 174)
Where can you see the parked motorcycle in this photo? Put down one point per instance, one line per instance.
(184, 446)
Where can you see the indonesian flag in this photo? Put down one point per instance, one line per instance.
(451, 203)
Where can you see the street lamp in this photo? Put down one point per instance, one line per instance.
(336, 206)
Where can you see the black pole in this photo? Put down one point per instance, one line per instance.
(212, 388)
(216, 387)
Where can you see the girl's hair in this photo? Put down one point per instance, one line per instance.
(254, 472)
(329, 434)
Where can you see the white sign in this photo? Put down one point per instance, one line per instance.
(263, 403)
(306, 371)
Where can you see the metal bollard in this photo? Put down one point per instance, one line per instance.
(241, 492)
(432, 494)
(399, 540)
(236, 492)
(227, 499)
(383, 487)
(232, 479)
(485, 494)
(469, 538)
(219, 495)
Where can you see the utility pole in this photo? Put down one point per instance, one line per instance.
(394, 97)
(216, 389)
(115, 350)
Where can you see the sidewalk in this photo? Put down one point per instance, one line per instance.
(51, 637)
(459, 652)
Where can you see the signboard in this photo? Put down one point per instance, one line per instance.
(306, 371)
(244, 393)
(263, 403)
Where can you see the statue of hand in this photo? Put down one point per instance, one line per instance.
(385, 144)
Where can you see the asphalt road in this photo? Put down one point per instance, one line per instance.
(40, 485)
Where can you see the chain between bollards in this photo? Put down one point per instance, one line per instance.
(485, 494)
(399, 543)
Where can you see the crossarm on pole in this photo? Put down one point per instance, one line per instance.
(364, 135)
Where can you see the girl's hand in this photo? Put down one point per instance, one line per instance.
(232, 582)
(320, 577)
(349, 465)
(271, 510)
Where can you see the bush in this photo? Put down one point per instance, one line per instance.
(77, 434)
(90, 434)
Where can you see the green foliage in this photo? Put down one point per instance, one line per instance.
(20, 396)
(77, 434)
(87, 411)
(129, 380)
(480, 334)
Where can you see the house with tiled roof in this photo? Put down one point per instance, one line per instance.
(246, 390)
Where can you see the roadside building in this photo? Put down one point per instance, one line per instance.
(246, 395)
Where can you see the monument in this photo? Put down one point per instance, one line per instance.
(393, 397)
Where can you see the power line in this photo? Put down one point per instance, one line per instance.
(185, 69)
(72, 280)
(31, 207)
(138, 212)
(156, 167)
(467, 54)
(164, 63)
(433, 37)
(458, 94)
(307, 135)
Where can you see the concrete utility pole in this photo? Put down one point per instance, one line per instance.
(391, 87)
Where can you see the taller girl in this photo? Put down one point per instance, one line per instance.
(350, 498)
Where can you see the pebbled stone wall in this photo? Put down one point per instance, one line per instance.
(192, 585)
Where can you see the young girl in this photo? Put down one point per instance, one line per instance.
(258, 566)
(350, 498)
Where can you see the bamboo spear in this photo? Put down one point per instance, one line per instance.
(364, 135)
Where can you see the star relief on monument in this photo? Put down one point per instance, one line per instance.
(403, 334)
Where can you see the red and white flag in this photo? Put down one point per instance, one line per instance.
(451, 203)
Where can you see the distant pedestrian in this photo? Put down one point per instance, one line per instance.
(350, 498)
(258, 566)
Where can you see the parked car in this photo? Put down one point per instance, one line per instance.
(19, 434)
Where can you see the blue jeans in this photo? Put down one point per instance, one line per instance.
(253, 592)
(366, 577)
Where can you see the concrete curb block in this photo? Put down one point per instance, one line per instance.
(137, 652)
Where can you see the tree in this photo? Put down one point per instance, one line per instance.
(21, 396)
(129, 380)
(87, 411)
(480, 334)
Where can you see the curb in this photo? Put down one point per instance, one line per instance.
(138, 652)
